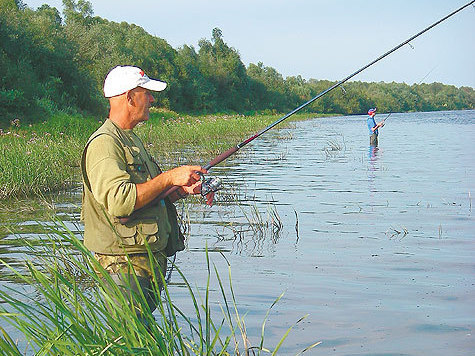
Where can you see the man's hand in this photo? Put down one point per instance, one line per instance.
(185, 176)
(378, 125)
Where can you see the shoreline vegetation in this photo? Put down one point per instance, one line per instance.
(70, 314)
(43, 158)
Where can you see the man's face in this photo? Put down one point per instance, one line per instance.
(141, 99)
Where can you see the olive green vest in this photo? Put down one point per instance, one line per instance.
(154, 225)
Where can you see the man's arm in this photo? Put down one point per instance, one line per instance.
(111, 184)
(106, 171)
(377, 126)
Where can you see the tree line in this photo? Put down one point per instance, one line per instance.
(51, 61)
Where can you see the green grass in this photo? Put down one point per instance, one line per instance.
(45, 157)
(65, 311)
(201, 138)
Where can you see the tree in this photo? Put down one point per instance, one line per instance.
(221, 65)
(77, 10)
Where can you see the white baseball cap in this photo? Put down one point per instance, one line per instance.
(124, 78)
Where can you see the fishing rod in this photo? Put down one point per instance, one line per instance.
(384, 120)
(212, 184)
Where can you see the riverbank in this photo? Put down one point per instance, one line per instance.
(44, 158)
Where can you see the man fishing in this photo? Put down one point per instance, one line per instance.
(373, 127)
(121, 181)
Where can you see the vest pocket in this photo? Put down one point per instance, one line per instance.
(137, 234)
(147, 231)
(136, 167)
(126, 234)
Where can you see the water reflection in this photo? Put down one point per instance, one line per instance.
(373, 153)
(373, 157)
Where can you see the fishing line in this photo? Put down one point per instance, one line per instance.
(384, 120)
(427, 74)
(233, 150)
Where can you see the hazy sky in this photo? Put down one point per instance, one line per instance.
(321, 39)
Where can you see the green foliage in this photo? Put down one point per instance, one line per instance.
(221, 66)
(197, 92)
(269, 89)
(38, 72)
(48, 64)
(42, 157)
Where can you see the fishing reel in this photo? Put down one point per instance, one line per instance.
(210, 184)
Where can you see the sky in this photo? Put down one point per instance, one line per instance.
(320, 39)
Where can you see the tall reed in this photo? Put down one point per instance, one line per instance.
(64, 310)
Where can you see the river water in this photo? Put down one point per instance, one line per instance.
(376, 246)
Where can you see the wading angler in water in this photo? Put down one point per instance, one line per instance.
(121, 183)
(373, 127)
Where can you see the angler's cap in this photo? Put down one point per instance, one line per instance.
(124, 78)
(372, 111)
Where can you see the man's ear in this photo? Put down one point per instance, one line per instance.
(130, 97)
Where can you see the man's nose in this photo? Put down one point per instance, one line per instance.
(151, 99)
